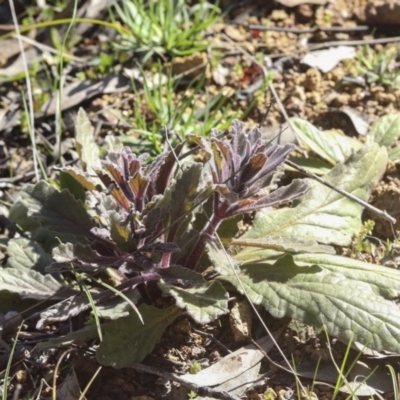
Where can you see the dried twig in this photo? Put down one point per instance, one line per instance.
(354, 42)
(28, 89)
(212, 338)
(309, 30)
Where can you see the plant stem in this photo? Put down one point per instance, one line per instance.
(207, 233)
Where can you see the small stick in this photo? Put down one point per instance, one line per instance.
(350, 196)
(201, 390)
(394, 39)
(213, 338)
(310, 30)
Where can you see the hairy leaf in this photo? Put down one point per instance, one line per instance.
(68, 308)
(317, 296)
(113, 308)
(87, 333)
(57, 211)
(86, 180)
(66, 181)
(323, 215)
(161, 170)
(29, 284)
(127, 173)
(180, 275)
(85, 145)
(294, 245)
(281, 195)
(314, 165)
(120, 232)
(183, 197)
(383, 280)
(127, 340)
(394, 154)
(204, 304)
(25, 254)
(385, 131)
(330, 145)
(222, 262)
(114, 190)
(118, 307)
(83, 257)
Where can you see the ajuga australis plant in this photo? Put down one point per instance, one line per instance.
(142, 222)
(145, 227)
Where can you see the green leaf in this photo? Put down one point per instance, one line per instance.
(127, 340)
(313, 165)
(203, 303)
(183, 198)
(317, 296)
(118, 307)
(82, 256)
(180, 275)
(19, 215)
(293, 245)
(330, 145)
(76, 181)
(57, 211)
(385, 131)
(186, 190)
(323, 215)
(87, 333)
(85, 143)
(222, 262)
(383, 280)
(72, 185)
(85, 180)
(113, 308)
(394, 154)
(25, 254)
(63, 310)
(120, 233)
(12, 301)
(29, 284)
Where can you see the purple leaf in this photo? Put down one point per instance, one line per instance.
(283, 194)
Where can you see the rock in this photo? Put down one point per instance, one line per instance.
(238, 34)
(240, 320)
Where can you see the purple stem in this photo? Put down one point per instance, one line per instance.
(165, 260)
(207, 233)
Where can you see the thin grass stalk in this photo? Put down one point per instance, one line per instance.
(31, 115)
(23, 29)
(123, 296)
(395, 381)
(94, 309)
(58, 115)
(9, 363)
(56, 370)
(87, 387)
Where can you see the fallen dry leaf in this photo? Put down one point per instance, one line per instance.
(326, 60)
(237, 371)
